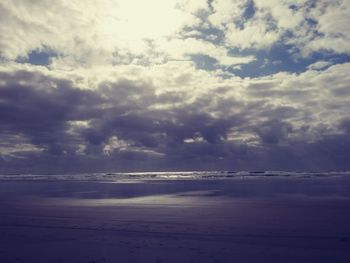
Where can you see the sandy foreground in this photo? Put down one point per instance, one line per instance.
(235, 220)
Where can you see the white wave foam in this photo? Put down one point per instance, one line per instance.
(192, 175)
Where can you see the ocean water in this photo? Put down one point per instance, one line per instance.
(214, 183)
(191, 175)
(219, 216)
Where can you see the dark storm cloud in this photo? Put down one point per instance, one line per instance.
(274, 131)
(117, 126)
(39, 107)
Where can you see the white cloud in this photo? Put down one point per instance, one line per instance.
(285, 17)
(181, 49)
(192, 7)
(333, 24)
(256, 34)
(89, 32)
(319, 65)
(312, 28)
(225, 12)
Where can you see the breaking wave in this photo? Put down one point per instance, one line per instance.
(193, 175)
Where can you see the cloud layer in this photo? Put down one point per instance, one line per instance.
(280, 121)
(126, 88)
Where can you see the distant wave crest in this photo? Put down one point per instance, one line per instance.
(193, 175)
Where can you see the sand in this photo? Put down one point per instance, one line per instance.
(241, 220)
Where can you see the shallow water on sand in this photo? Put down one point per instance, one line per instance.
(260, 219)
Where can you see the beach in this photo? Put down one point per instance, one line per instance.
(239, 219)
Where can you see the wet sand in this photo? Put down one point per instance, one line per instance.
(241, 220)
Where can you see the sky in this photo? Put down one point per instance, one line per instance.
(165, 85)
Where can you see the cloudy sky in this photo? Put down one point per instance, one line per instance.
(125, 85)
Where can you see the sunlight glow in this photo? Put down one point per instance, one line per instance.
(151, 19)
